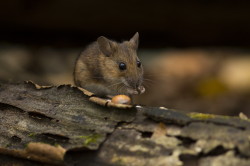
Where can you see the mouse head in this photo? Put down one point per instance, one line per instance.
(122, 69)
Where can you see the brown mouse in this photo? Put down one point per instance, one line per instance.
(109, 68)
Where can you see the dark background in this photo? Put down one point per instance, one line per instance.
(161, 23)
(195, 53)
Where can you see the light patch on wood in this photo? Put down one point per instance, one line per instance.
(160, 130)
(46, 151)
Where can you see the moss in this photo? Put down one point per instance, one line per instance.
(200, 116)
(57, 145)
(90, 139)
(26, 145)
(32, 135)
(8, 145)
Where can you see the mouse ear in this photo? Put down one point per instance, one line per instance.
(106, 46)
(135, 40)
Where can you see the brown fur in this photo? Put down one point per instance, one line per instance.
(97, 67)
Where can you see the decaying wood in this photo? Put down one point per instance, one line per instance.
(67, 125)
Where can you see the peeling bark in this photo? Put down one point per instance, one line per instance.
(67, 125)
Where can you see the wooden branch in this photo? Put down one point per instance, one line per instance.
(65, 126)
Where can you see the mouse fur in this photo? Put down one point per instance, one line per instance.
(98, 70)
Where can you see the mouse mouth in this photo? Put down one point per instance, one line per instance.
(135, 91)
(132, 91)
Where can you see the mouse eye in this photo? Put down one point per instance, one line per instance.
(122, 66)
(138, 63)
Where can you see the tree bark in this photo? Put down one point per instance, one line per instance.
(66, 125)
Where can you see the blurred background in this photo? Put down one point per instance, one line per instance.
(196, 54)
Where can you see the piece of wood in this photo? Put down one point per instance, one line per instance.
(59, 116)
(60, 125)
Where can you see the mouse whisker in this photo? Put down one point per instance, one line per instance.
(157, 79)
(149, 80)
(114, 84)
(120, 88)
(157, 74)
(147, 85)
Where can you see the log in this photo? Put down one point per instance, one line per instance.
(66, 125)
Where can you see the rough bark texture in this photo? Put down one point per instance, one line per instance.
(62, 126)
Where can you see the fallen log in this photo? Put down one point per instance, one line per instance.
(66, 125)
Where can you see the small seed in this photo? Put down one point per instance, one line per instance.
(121, 99)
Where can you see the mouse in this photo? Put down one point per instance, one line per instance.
(108, 68)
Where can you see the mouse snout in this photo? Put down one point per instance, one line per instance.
(140, 88)
(135, 86)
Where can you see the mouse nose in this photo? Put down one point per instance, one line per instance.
(137, 84)
(140, 88)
